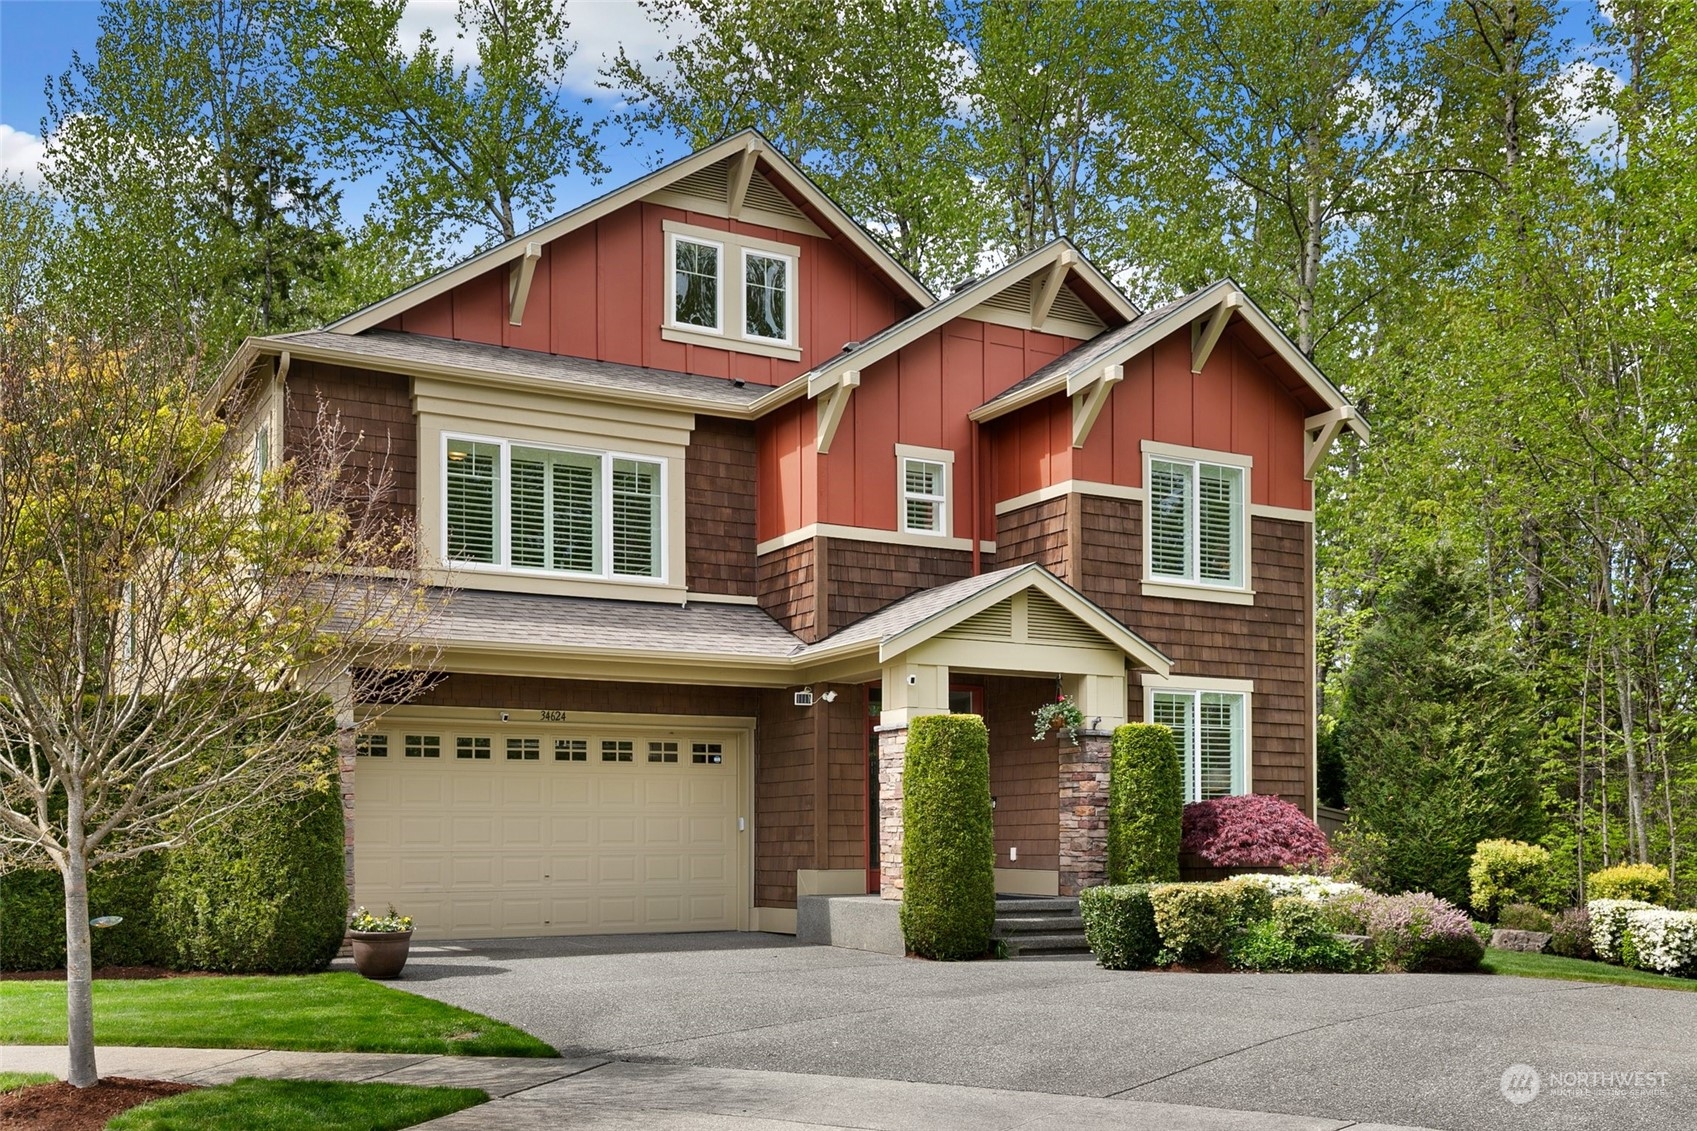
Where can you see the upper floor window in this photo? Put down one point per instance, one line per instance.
(1197, 528)
(1210, 729)
(924, 486)
(731, 291)
(528, 507)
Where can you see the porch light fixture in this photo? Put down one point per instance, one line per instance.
(829, 696)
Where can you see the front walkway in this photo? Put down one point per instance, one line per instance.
(588, 1094)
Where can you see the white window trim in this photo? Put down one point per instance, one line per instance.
(503, 527)
(672, 241)
(733, 246)
(1186, 588)
(906, 452)
(789, 295)
(1195, 687)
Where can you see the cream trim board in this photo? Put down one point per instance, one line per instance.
(1184, 591)
(1194, 683)
(869, 534)
(1069, 487)
(1054, 324)
(1028, 881)
(639, 665)
(1285, 514)
(720, 599)
(774, 920)
(695, 336)
(1190, 586)
(746, 214)
(1201, 455)
(830, 881)
(1195, 686)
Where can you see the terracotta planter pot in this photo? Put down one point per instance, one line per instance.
(380, 954)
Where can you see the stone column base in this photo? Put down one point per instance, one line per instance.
(1084, 812)
(892, 761)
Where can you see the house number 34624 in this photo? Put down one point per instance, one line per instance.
(553, 716)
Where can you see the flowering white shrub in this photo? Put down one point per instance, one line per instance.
(1662, 940)
(1608, 923)
(1314, 888)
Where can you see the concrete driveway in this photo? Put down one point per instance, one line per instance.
(1425, 1050)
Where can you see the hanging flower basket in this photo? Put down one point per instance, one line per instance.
(1063, 713)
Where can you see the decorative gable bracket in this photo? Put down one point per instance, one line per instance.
(1319, 432)
(1045, 289)
(1203, 338)
(518, 287)
(1089, 392)
(832, 392)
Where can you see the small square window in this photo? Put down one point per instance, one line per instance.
(707, 753)
(618, 750)
(466, 746)
(423, 746)
(571, 750)
(372, 746)
(662, 752)
(925, 495)
(524, 749)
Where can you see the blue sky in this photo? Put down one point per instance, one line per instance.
(37, 38)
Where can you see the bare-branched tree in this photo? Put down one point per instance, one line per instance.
(182, 618)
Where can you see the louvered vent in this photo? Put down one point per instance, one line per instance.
(1048, 622)
(1067, 305)
(1016, 298)
(994, 623)
(762, 194)
(712, 183)
(709, 183)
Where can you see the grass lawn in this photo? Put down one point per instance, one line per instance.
(1577, 970)
(11, 1081)
(338, 1012)
(297, 1105)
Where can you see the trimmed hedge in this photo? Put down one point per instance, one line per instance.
(264, 895)
(1644, 882)
(1119, 926)
(1198, 921)
(1507, 871)
(1145, 805)
(32, 915)
(949, 849)
(1293, 938)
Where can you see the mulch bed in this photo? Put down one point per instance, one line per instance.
(60, 1107)
(104, 972)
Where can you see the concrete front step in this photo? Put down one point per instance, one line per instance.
(1026, 905)
(1066, 942)
(1036, 926)
(1007, 925)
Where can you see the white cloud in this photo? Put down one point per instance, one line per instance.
(599, 27)
(1593, 126)
(21, 155)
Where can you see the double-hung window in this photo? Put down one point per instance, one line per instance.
(1210, 729)
(923, 484)
(1197, 527)
(528, 507)
(731, 291)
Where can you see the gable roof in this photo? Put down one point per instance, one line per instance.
(913, 620)
(749, 141)
(1120, 345)
(910, 329)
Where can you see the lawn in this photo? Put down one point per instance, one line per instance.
(10, 1081)
(1577, 970)
(338, 1012)
(297, 1105)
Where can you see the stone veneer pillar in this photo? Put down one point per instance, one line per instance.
(892, 760)
(347, 749)
(1084, 812)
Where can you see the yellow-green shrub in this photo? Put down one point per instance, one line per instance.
(1505, 872)
(1197, 921)
(1644, 882)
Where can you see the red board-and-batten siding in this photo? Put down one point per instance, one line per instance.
(599, 292)
(1235, 404)
(918, 396)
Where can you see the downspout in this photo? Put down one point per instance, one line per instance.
(977, 504)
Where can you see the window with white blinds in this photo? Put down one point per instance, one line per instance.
(925, 496)
(594, 514)
(1196, 522)
(1210, 730)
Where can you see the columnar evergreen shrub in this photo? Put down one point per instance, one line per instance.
(1145, 805)
(32, 915)
(1119, 926)
(948, 851)
(1507, 871)
(265, 894)
(1255, 830)
(1646, 882)
(1608, 924)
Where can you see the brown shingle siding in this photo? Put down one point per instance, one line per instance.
(374, 414)
(783, 798)
(785, 587)
(719, 506)
(1024, 775)
(867, 576)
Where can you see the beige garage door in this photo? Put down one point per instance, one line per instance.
(507, 831)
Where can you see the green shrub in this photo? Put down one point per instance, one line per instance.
(32, 911)
(1523, 917)
(1507, 871)
(264, 895)
(1644, 882)
(1119, 925)
(1145, 805)
(1414, 932)
(1295, 937)
(1570, 934)
(1483, 930)
(949, 851)
(1252, 901)
(1195, 921)
(1361, 856)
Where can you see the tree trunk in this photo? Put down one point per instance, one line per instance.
(79, 960)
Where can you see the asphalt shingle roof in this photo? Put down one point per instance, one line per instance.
(393, 346)
(893, 620)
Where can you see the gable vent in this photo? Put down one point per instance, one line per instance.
(1048, 622)
(994, 623)
(1067, 307)
(710, 183)
(1016, 298)
(764, 195)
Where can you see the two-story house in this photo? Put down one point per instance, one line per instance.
(727, 497)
